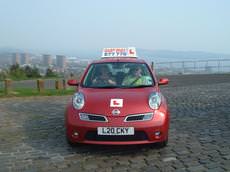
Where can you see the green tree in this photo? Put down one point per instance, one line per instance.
(51, 73)
(35, 72)
(3, 75)
(28, 71)
(16, 72)
(32, 72)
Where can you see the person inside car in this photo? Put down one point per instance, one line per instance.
(137, 77)
(103, 77)
(134, 78)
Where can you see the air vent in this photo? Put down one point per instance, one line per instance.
(92, 117)
(139, 117)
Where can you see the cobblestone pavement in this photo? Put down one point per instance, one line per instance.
(32, 136)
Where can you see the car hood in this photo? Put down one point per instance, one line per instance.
(101, 101)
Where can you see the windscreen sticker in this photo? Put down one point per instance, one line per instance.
(116, 103)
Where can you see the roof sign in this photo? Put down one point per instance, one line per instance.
(119, 52)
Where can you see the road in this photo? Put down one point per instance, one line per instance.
(32, 134)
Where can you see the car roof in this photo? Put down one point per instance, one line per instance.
(119, 59)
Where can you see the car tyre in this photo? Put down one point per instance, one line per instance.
(73, 144)
(162, 144)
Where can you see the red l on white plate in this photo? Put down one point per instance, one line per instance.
(116, 103)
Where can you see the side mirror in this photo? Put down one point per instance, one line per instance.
(163, 81)
(72, 82)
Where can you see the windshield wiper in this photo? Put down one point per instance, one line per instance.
(108, 86)
(140, 86)
(113, 86)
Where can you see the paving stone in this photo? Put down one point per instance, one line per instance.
(4, 169)
(169, 159)
(227, 157)
(181, 170)
(72, 168)
(217, 169)
(199, 168)
(151, 169)
(90, 166)
(177, 165)
(138, 165)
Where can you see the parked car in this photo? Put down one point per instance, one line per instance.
(118, 102)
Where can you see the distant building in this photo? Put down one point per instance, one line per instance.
(47, 60)
(25, 58)
(61, 61)
(16, 58)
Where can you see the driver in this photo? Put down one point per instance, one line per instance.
(103, 77)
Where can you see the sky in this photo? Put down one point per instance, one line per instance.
(87, 25)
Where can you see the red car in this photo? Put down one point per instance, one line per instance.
(117, 102)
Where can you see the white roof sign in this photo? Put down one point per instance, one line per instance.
(119, 52)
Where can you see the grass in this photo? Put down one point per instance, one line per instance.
(25, 92)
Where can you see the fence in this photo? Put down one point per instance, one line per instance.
(40, 85)
(193, 67)
(1, 85)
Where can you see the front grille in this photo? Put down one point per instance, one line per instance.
(96, 118)
(138, 136)
(92, 117)
(139, 117)
(135, 118)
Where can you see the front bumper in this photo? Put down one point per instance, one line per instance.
(145, 131)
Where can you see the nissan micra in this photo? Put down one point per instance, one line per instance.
(117, 102)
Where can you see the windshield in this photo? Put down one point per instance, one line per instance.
(118, 75)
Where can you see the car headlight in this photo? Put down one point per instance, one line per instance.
(154, 100)
(78, 100)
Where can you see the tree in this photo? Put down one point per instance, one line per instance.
(3, 75)
(28, 70)
(16, 72)
(51, 73)
(35, 72)
(32, 72)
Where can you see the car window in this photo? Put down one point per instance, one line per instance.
(118, 75)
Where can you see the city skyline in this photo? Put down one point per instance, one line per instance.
(61, 27)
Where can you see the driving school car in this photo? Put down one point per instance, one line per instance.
(118, 102)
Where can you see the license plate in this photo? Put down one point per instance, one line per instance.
(115, 131)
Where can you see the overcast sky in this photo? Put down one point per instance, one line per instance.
(73, 25)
